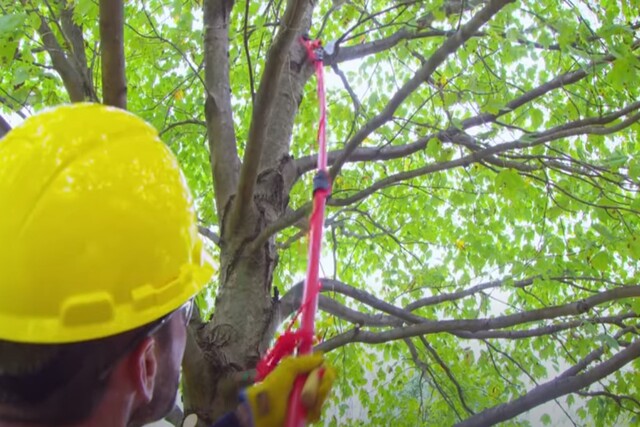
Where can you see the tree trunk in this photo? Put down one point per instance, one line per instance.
(245, 313)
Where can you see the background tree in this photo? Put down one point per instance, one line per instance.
(484, 220)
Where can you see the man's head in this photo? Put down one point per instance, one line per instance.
(99, 255)
(171, 344)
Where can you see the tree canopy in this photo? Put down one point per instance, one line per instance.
(481, 247)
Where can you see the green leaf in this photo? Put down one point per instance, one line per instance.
(600, 261)
(10, 24)
(622, 74)
(433, 148)
(633, 245)
(609, 341)
(509, 183)
(20, 76)
(634, 169)
(85, 11)
(537, 118)
(603, 231)
(615, 160)
(493, 106)
(7, 51)
(613, 29)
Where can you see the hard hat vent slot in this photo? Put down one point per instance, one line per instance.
(88, 308)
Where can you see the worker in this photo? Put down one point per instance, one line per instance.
(100, 259)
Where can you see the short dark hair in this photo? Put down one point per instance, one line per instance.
(63, 383)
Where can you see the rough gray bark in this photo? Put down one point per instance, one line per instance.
(225, 164)
(114, 83)
(71, 65)
(265, 101)
(206, 366)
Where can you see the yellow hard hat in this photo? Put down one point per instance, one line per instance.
(97, 227)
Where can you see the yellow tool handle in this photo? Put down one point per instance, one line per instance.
(309, 392)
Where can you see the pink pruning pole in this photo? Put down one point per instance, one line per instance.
(302, 339)
(321, 190)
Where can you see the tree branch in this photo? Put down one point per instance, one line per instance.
(467, 160)
(283, 222)
(545, 330)
(448, 372)
(215, 239)
(349, 53)
(225, 163)
(560, 81)
(360, 50)
(439, 56)
(333, 307)
(74, 39)
(591, 125)
(292, 299)
(295, 216)
(526, 141)
(397, 316)
(593, 130)
(593, 355)
(475, 325)
(77, 87)
(305, 164)
(354, 97)
(425, 368)
(73, 36)
(114, 83)
(617, 398)
(264, 103)
(553, 389)
(182, 123)
(452, 296)
(245, 39)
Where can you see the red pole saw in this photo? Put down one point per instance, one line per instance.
(302, 339)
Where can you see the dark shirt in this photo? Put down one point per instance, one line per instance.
(229, 420)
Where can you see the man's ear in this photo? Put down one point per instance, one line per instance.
(144, 368)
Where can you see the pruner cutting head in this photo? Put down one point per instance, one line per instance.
(330, 47)
(326, 50)
(316, 47)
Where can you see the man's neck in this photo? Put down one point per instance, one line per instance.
(108, 421)
(111, 412)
